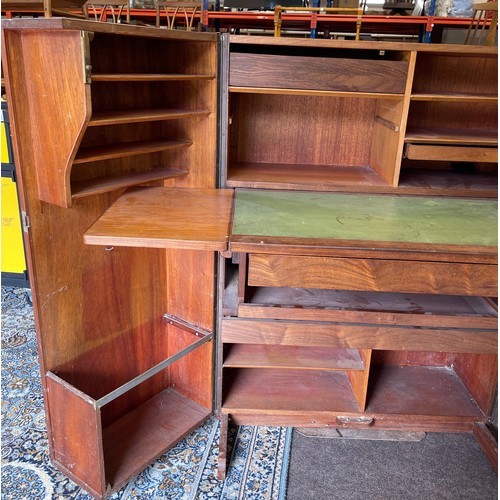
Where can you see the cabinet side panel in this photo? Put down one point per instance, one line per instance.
(76, 434)
(359, 379)
(479, 373)
(191, 296)
(387, 130)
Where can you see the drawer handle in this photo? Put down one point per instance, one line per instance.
(355, 420)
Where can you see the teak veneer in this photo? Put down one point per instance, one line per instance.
(278, 231)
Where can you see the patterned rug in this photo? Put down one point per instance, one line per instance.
(257, 470)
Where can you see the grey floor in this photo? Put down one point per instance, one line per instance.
(440, 466)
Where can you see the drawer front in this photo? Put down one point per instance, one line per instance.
(317, 73)
(372, 275)
(358, 336)
(451, 153)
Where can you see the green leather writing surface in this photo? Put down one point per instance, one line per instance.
(367, 217)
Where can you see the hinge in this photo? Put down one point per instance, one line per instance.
(186, 326)
(25, 221)
(87, 66)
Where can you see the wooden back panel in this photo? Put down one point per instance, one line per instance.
(449, 73)
(318, 130)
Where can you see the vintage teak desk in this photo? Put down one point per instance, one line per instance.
(281, 231)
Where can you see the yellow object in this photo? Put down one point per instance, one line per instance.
(13, 260)
(5, 146)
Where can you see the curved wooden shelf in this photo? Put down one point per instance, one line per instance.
(90, 154)
(143, 115)
(148, 77)
(111, 183)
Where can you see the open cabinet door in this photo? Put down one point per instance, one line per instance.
(173, 233)
(141, 377)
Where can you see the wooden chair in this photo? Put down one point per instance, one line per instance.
(314, 13)
(173, 7)
(484, 22)
(64, 8)
(102, 9)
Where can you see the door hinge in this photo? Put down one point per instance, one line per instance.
(25, 221)
(87, 66)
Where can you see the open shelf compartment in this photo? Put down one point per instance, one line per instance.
(105, 456)
(435, 396)
(292, 357)
(287, 391)
(262, 153)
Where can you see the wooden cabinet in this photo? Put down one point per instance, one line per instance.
(126, 359)
(359, 292)
(280, 231)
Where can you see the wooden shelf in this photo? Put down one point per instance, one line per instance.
(287, 391)
(111, 183)
(303, 177)
(138, 438)
(193, 219)
(337, 306)
(463, 137)
(102, 118)
(148, 77)
(312, 92)
(292, 357)
(447, 183)
(427, 391)
(453, 97)
(90, 154)
(419, 390)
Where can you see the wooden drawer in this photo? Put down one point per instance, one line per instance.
(451, 153)
(317, 73)
(372, 275)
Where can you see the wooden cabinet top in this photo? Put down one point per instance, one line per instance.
(361, 45)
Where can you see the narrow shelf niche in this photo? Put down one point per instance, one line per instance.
(292, 357)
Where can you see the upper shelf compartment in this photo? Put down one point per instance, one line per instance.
(455, 77)
(142, 107)
(318, 118)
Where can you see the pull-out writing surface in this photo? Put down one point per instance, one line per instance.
(191, 219)
(364, 221)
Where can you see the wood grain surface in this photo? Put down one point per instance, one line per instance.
(373, 275)
(361, 336)
(320, 73)
(166, 218)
